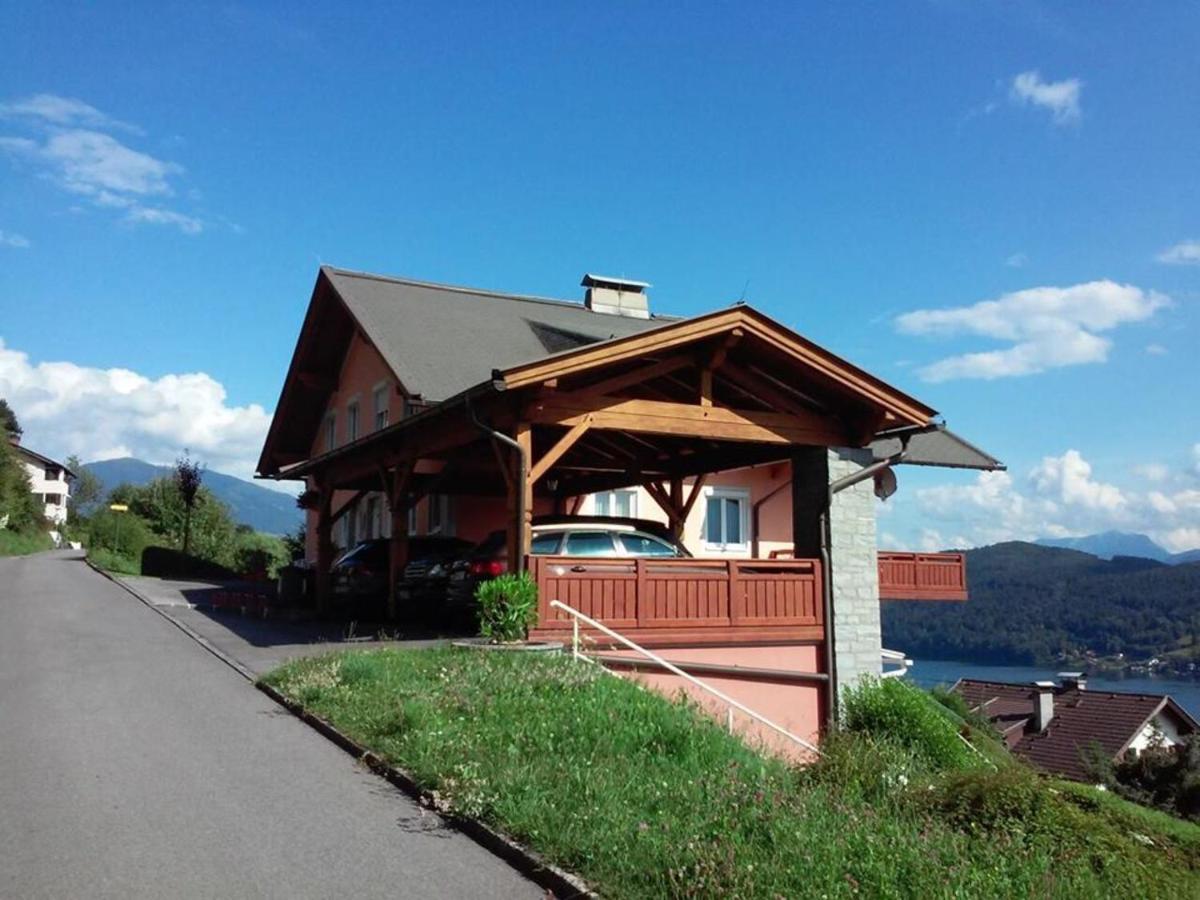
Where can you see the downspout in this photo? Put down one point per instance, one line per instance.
(754, 509)
(523, 472)
(837, 487)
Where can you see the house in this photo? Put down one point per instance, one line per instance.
(1055, 726)
(49, 480)
(412, 407)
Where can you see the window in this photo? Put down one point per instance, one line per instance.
(726, 519)
(351, 421)
(616, 503)
(590, 543)
(441, 519)
(372, 529)
(380, 396)
(51, 473)
(330, 431)
(54, 499)
(637, 544)
(545, 544)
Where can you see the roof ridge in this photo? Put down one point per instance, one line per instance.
(479, 292)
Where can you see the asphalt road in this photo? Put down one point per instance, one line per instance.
(135, 764)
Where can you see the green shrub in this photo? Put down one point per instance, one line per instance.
(123, 533)
(19, 543)
(111, 561)
(889, 709)
(507, 607)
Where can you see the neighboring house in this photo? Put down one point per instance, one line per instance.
(50, 482)
(1055, 726)
(411, 407)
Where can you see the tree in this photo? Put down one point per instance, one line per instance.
(188, 475)
(20, 509)
(8, 419)
(85, 491)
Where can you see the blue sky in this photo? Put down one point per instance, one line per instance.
(172, 174)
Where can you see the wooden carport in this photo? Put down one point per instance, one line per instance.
(708, 394)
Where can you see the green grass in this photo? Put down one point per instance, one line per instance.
(19, 543)
(117, 563)
(645, 797)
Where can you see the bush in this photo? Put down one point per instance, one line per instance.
(110, 561)
(507, 607)
(123, 533)
(888, 709)
(258, 555)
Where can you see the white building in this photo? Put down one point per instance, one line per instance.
(49, 481)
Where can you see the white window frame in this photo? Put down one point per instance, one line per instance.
(443, 507)
(353, 419)
(331, 430)
(633, 502)
(742, 495)
(380, 392)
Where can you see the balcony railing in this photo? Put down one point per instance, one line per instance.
(922, 576)
(680, 599)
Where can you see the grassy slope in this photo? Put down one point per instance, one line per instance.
(644, 797)
(16, 543)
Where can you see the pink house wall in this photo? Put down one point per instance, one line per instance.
(798, 707)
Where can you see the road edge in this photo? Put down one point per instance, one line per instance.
(529, 863)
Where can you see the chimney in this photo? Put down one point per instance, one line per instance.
(616, 296)
(1073, 681)
(1043, 705)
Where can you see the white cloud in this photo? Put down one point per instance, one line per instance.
(65, 112)
(1061, 98)
(1068, 478)
(102, 413)
(1060, 497)
(1196, 458)
(1016, 261)
(1156, 350)
(1185, 253)
(1048, 327)
(12, 239)
(1152, 471)
(92, 163)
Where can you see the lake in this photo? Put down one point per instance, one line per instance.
(931, 672)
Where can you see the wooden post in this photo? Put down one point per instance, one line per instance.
(525, 534)
(398, 547)
(324, 546)
(676, 511)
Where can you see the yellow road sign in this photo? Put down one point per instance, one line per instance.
(119, 507)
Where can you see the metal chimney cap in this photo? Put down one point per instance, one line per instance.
(617, 284)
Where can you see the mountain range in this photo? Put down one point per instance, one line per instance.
(1108, 544)
(261, 508)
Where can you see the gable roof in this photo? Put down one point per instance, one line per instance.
(35, 457)
(441, 340)
(1111, 719)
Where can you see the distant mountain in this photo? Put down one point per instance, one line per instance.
(1028, 603)
(261, 508)
(1108, 544)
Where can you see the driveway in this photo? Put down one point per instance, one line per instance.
(135, 764)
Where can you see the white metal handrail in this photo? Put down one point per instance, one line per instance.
(895, 656)
(577, 617)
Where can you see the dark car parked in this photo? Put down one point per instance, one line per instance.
(421, 590)
(361, 575)
(610, 537)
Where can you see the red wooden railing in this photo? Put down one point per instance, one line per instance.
(922, 576)
(657, 596)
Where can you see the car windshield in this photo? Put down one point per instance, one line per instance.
(590, 543)
(374, 551)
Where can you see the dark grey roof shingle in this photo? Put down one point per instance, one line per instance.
(413, 323)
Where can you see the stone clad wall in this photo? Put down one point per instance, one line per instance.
(855, 571)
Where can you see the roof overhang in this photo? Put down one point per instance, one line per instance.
(937, 446)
